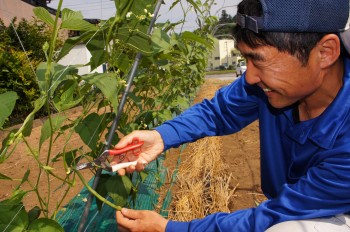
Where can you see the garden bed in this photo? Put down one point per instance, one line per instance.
(239, 154)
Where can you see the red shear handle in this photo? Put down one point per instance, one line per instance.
(135, 147)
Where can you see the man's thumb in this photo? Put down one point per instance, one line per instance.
(130, 213)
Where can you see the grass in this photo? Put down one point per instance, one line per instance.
(220, 72)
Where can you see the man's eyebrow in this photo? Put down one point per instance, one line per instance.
(253, 56)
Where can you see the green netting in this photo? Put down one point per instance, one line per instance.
(168, 197)
(104, 220)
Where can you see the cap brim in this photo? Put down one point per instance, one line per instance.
(345, 37)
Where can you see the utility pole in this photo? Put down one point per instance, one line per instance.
(226, 54)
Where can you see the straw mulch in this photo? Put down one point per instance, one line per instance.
(203, 183)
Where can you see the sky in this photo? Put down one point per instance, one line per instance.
(103, 9)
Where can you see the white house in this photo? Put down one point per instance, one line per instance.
(80, 55)
(222, 55)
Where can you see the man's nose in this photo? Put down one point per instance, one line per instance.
(252, 75)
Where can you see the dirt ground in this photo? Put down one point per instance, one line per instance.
(22, 160)
(239, 151)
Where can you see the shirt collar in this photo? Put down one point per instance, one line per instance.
(324, 129)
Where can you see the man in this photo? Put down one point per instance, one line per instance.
(297, 85)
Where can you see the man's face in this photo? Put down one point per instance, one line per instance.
(282, 76)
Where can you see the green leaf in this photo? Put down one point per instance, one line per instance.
(96, 47)
(138, 6)
(143, 175)
(72, 20)
(191, 36)
(66, 98)
(24, 179)
(68, 157)
(44, 15)
(68, 14)
(101, 189)
(136, 39)
(120, 6)
(137, 100)
(8, 101)
(122, 62)
(160, 40)
(58, 73)
(108, 85)
(89, 130)
(195, 6)
(16, 198)
(13, 215)
(27, 125)
(145, 116)
(47, 131)
(78, 25)
(165, 115)
(119, 188)
(174, 4)
(45, 225)
(182, 102)
(4, 177)
(34, 213)
(13, 218)
(72, 42)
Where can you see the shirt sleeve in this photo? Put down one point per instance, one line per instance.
(232, 108)
(323, 191)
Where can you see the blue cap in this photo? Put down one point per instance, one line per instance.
(298, 16)
(301, 16)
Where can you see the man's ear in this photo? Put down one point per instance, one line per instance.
(329, 50)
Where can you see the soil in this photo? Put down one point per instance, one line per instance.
(240, 151)
(22, 160)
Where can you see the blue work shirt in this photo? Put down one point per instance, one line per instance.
(305, 166)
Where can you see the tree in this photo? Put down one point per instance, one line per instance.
(225, 31)
(28, 36)
(225, 18)
(20, 52)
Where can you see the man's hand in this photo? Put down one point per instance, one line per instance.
(152, 147)
(140, 220)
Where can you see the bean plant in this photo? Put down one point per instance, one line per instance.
(171, 69)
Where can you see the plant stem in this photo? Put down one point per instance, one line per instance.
(98, 196)
(35, 187)
(58, 205)
(55, 31)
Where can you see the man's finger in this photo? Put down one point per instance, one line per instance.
(125, 218)
(121, 221)
(125, 141)
(121, 172)
(140, 166)
(131, 214)
(130, 169)
(122, 229)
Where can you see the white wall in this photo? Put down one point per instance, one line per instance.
(80, 55)
(222, 54)
(226, 47)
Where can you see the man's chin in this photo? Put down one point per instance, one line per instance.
(279, 105)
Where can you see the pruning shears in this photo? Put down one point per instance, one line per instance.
(101, 161)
